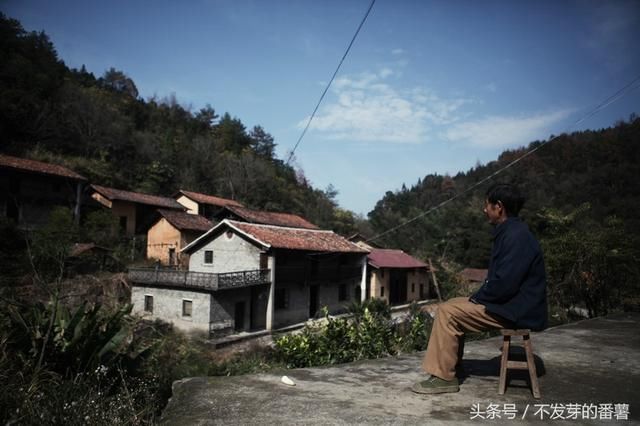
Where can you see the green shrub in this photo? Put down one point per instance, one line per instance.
(415, 335)
(368, 333)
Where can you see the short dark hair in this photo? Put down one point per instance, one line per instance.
(509, 195)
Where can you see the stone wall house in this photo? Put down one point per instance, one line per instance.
(171, 232)
(30, 190)
(203, 204)
(393, 275)
(396, 277)
(245, 276)
(134, 210)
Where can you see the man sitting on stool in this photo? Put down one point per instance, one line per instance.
(512, 296)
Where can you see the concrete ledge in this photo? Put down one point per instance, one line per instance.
(589, 362)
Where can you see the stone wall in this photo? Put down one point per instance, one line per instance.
(167, 306)
(231, 253)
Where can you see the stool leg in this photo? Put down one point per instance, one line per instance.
(503, 364)
(533, 374)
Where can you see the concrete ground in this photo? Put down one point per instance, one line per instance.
(582, 368)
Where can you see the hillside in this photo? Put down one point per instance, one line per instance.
(102, 128)
(595, 167)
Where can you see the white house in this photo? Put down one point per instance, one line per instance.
(247, 276)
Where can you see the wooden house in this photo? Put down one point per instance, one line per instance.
(244, 276)
(171, 232)
(30, 190)
(203, 204)
(135, 210)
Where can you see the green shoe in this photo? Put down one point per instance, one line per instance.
(436, 385)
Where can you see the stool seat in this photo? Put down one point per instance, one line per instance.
(506, 363)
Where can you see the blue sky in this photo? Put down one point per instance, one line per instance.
(428, 87)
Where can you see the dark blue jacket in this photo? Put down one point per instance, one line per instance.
(515, 288)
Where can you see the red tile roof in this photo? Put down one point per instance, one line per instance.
(271, 218)
(298, 238)
(284, 238)
(209, 199)
(387, 258)
(474, 275)
(185, 221)
(137, 197)
(38, 167)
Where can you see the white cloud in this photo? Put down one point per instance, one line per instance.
(397, 51)
(491, 87)
(500, 131)
(369, 109)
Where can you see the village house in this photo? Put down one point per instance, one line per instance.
(244, 276)
(134, 210)
(471, 279)
(397, 277)
(171, 232)
(243, 214)
(393, 275)
(203, 204)
(30, 190)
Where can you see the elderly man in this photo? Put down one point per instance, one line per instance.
(512, 296)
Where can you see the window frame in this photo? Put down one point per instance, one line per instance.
(148, 298)
(185, 303)
(204, 260)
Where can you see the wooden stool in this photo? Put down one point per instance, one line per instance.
(506, 364)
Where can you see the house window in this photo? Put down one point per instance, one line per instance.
(148, 303)
(172, 256)
(208, 257)
(282, 298)
(343, 294)
(413, 287)
(381, 291)
(382, 273)
(123, 223)
(264, 261)
(421, 291)
(187, 308)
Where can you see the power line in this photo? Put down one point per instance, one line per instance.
(602, 105)
(330, 81)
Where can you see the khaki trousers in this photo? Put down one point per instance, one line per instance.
(453, 318)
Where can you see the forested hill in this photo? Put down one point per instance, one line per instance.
(103, 129)
(588, 178)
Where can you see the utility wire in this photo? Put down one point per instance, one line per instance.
(602, 105)
(330, 81)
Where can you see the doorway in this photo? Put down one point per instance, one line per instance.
(258, 312)
(398, 287)
(239, 316)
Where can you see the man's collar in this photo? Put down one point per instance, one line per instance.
(502, 225)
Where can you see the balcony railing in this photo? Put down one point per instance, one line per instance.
(200, 280)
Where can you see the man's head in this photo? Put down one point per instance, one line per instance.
(502, 200)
